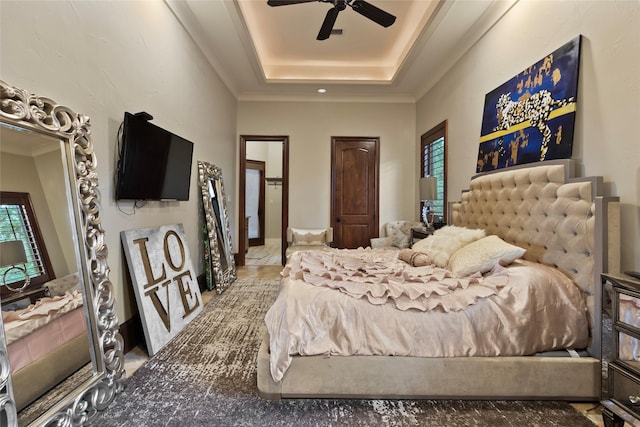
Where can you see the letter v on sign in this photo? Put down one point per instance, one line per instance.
(165, 314)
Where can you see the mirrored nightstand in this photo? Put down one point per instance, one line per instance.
(621, 304)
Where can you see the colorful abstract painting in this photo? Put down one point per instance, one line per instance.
(531, 117)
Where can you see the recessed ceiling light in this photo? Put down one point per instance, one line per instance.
(322, 90)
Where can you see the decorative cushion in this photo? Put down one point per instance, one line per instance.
(59, 286)
(414, 258)
(482, 255)
(446, 241)
(399, 232)
(309, 237)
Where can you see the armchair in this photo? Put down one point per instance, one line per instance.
(396, 234)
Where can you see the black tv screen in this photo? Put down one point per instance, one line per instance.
(154, 164)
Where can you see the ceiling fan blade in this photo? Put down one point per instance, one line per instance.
(374, 13)
(287, 2)
(327, 25)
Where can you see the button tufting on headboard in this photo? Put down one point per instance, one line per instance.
(536, 208)
(556, 217)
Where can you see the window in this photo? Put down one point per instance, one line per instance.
(433, 146)
(18, 222)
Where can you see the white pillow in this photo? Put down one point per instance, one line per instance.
(446, 241)
(482, 255)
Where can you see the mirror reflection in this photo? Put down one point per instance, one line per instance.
(221, 242)
(219, 263)
(60, 352)
(42, 305)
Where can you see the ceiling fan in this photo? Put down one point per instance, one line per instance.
(364, 8)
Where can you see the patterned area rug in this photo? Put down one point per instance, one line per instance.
(206, 376)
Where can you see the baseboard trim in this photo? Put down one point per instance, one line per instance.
(132, 333)
(131, 329)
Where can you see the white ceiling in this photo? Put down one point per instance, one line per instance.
(264, 52)
(25, 142)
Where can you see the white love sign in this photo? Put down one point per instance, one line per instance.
(164, 281)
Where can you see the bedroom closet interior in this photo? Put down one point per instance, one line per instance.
(264, 185)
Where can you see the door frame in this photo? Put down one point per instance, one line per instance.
(242, 191)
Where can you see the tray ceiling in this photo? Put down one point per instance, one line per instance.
(272, 52)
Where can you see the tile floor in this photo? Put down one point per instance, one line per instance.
(136, 357)
(269, 253)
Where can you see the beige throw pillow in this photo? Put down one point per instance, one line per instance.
(482, 255)
(413, 258)
(309, 237)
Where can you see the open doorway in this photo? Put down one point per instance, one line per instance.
(263, 223)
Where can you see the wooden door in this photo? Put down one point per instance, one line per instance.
(354, 190)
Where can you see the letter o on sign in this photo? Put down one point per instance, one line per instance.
(168, 253)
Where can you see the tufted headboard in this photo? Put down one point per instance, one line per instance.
(562, 221)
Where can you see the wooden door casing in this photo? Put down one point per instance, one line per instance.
(354, 190)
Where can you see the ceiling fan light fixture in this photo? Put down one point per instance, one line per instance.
(362, 7)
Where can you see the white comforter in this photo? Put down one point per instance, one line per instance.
(520, 310)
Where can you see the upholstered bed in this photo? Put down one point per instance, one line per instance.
(46, 341)
(564, 225)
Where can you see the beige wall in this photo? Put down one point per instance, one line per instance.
(605, 142)
(310, 126)
(104, 58)
(273, 192)
(53, 177)
(19, 173)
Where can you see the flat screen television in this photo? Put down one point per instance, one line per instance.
(154, 163)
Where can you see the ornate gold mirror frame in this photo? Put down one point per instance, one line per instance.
(26, 111)
(221, 265)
